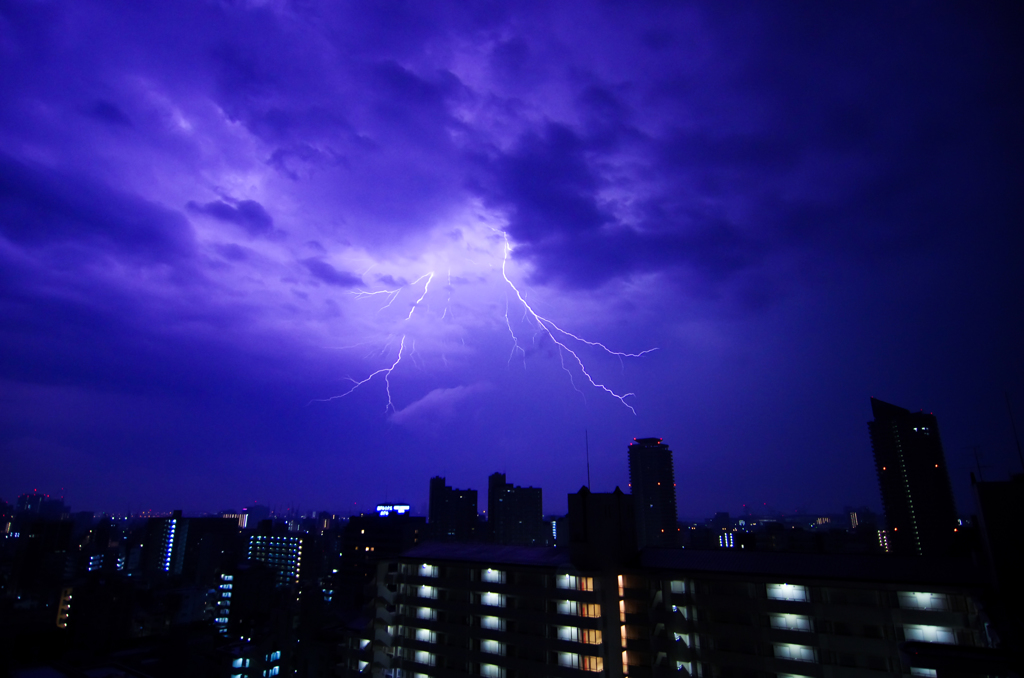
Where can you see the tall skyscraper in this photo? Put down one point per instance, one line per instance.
(911, 466)
(653, 485)
(452, 512)
(515, 514)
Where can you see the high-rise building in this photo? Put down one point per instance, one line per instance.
(515, 514)
(281, 552)
(193, 547)
(452, 512)
(652, 481)
(911, 466)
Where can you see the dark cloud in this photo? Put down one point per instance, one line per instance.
(324, 272)
(248, 214)
(232, 251)
(109, 113)
(547, 187)
(42, 208)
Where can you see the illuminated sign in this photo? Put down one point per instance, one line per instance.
(388, 509)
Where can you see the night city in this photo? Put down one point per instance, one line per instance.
(511, 339)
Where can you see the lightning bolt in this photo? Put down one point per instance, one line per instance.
(547, 325)
(515, 339)
(448, 303)
(426, 288)
(392, 295)
(386, 371)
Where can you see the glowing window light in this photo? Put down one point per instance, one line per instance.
(797, 653)
(929, 634)
(492, 623)
(492, 576)
(791, 622)
(917, 600)
(492, 647)
(787, 592)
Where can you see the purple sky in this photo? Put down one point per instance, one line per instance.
(214, 216)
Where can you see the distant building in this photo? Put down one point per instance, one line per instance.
(916, 494)
(196, 548)
(452, 513)
(254, 515)
(368, 539)
(282, 553)
(515, 514)
(653, 485)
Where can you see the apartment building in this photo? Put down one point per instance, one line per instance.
(600, 607)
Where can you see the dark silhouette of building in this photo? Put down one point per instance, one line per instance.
(195, 548)
(602, 529)
(515, 514)
(366, 540)
(653, 485)
(1000, 509)
(912, 475)
(452, 513)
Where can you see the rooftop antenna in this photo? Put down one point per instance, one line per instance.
(975, 451)
(1014, 425)
(586, 438)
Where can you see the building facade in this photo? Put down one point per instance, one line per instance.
(452, 512)
(515, 514)
(913, 479)
(652, 483)
(602, 607)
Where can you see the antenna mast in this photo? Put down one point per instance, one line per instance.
(1014, 425)
(586, 438)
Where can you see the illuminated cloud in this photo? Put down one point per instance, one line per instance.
(439, 407)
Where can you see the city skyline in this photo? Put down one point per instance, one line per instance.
(313, 253)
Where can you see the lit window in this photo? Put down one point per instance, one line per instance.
(577, 635)
(427, 592)
(578, 609)
(492, 671)
(426, 613)
(493, 599)
(798, 653)
(791, 622)
(574, 583)
(428, 570)
(678, 586)
(923, 601)
(787, 592)
(929, 634)
(917, 671)
(493, 576)
(426, 636)
(577, 661)
(422, 657)
(493, 623)
(492, 647)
